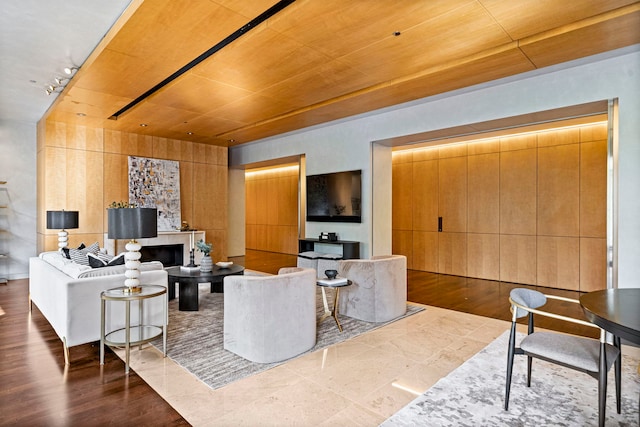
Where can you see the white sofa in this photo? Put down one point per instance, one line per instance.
(270, 318)
(68, 296)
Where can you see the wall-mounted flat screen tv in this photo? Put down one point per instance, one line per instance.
(335, 197)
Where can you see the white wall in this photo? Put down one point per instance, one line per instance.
(345, 144)
(18, 168)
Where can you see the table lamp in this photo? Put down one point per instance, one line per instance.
(62, 220)
(132, 223)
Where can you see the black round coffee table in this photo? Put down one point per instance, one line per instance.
(188, 283)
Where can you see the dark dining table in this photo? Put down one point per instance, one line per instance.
(616, 311)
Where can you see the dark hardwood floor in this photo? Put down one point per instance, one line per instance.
(38, 390)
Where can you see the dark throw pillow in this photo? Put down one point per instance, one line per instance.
(65, 251)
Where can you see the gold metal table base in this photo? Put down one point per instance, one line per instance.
(334, 312)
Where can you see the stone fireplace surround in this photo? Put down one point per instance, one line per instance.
(165, 238)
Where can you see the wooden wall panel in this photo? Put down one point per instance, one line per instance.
(402, 196)
(593, 264)
(251, 200)
(558, 262)
(425, 251)
(272, 201)
(187, 192)
(86, 169)
(593, 189)
(559, 190)
(402, 244)
(452, 194)
(452, 253)
(262, 203)
(483, 256)
(559, 137)
(518, 259)
(518, 188)
(271, 204)
(519, 142)
(484, 194)
(250, 236)
(424, 198)
(518, 192)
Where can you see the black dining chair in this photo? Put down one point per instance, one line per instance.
(588, 355)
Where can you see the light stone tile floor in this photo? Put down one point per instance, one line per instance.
(360, 382)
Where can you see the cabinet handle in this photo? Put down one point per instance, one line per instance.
(439, 224)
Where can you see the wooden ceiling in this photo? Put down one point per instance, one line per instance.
(319, 60)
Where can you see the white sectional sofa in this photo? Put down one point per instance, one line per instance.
(68, 296)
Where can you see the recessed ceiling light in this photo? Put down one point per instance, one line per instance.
(144, 125)
(189, 133)
(80, 114)
(232, 141)
(396, 33)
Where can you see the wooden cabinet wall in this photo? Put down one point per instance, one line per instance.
(528, 208)
(272, 210)
(85, 169)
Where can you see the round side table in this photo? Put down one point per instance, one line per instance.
(137, 334)
(336, 284)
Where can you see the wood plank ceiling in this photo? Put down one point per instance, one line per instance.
(317, 61)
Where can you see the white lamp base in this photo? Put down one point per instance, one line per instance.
(132, 262)
(62, 239)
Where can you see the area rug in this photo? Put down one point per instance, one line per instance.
(195, 339)
(473, 395)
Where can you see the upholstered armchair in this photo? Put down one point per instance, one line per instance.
(270, 318)
(379, 288)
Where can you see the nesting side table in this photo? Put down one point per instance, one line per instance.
(137, 334)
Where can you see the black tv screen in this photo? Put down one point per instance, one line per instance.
(334, 197)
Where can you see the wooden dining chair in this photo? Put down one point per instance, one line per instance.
(588, 355)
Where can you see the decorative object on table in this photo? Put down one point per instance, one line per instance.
(205, 264)
(62, 220)
(224, 264)
(331, 274)
(192, 252)
(186, 227)
(132, 223)
(333, 237)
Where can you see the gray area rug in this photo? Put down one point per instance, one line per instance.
(473, 395)
(195, 339)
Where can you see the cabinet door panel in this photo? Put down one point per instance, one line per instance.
(402, 244)
(484, 193)
(425, 251)
(452, 253)
(559, 262)
(593, 189)
(593, 264)
(452, 194)
(425, 195)
(483, 256)
(518, 259)
(402, 196)
(559, 190)
(518, 171)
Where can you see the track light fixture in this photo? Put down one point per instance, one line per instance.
(61, 82)
(53, 89)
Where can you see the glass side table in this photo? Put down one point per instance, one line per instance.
(137, 334)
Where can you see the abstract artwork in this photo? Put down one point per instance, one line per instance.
(155, 183)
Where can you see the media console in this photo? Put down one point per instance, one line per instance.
(350, 250)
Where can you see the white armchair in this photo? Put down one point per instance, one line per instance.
(270, 318)
(379, 288)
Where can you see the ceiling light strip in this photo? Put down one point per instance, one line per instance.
(233, 36)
